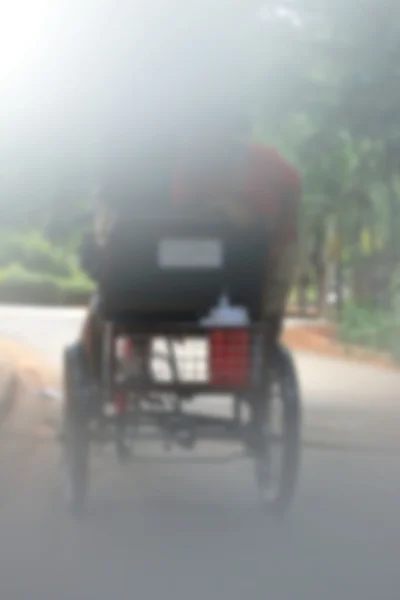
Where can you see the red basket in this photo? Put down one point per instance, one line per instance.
(229, 356)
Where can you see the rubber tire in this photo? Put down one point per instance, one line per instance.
(76, 433)
(290, 397)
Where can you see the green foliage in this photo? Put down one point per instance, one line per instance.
(21, 286)
(33, 271)
(369, 328)
(35, 254)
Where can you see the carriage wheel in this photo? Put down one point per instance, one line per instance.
(277, 457)
(75, 432)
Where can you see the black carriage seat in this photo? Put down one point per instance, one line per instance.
(174, 268)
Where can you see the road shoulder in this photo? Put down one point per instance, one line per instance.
(319, 338)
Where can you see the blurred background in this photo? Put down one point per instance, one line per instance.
(86, 82)
(318, 79)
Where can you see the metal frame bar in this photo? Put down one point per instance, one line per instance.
(170, 422)
(176, 332)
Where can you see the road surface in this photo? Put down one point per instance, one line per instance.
(184, 531)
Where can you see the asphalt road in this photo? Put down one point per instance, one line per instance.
(180, 530)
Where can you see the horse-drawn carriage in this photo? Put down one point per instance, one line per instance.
(158, 279)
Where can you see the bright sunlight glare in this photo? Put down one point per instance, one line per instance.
(21, 24)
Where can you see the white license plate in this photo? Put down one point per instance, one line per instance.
(190, 254)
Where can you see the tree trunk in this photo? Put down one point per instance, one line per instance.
(321, 290)
(302, 295)
(339, 285)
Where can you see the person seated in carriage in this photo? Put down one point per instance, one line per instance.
(216, 164)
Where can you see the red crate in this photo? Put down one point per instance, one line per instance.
(229, 356)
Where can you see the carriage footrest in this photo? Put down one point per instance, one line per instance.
(182, 388)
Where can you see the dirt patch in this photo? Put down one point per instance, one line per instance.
(321, 339)
(25, 361)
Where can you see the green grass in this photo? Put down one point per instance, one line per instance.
(18, 285)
